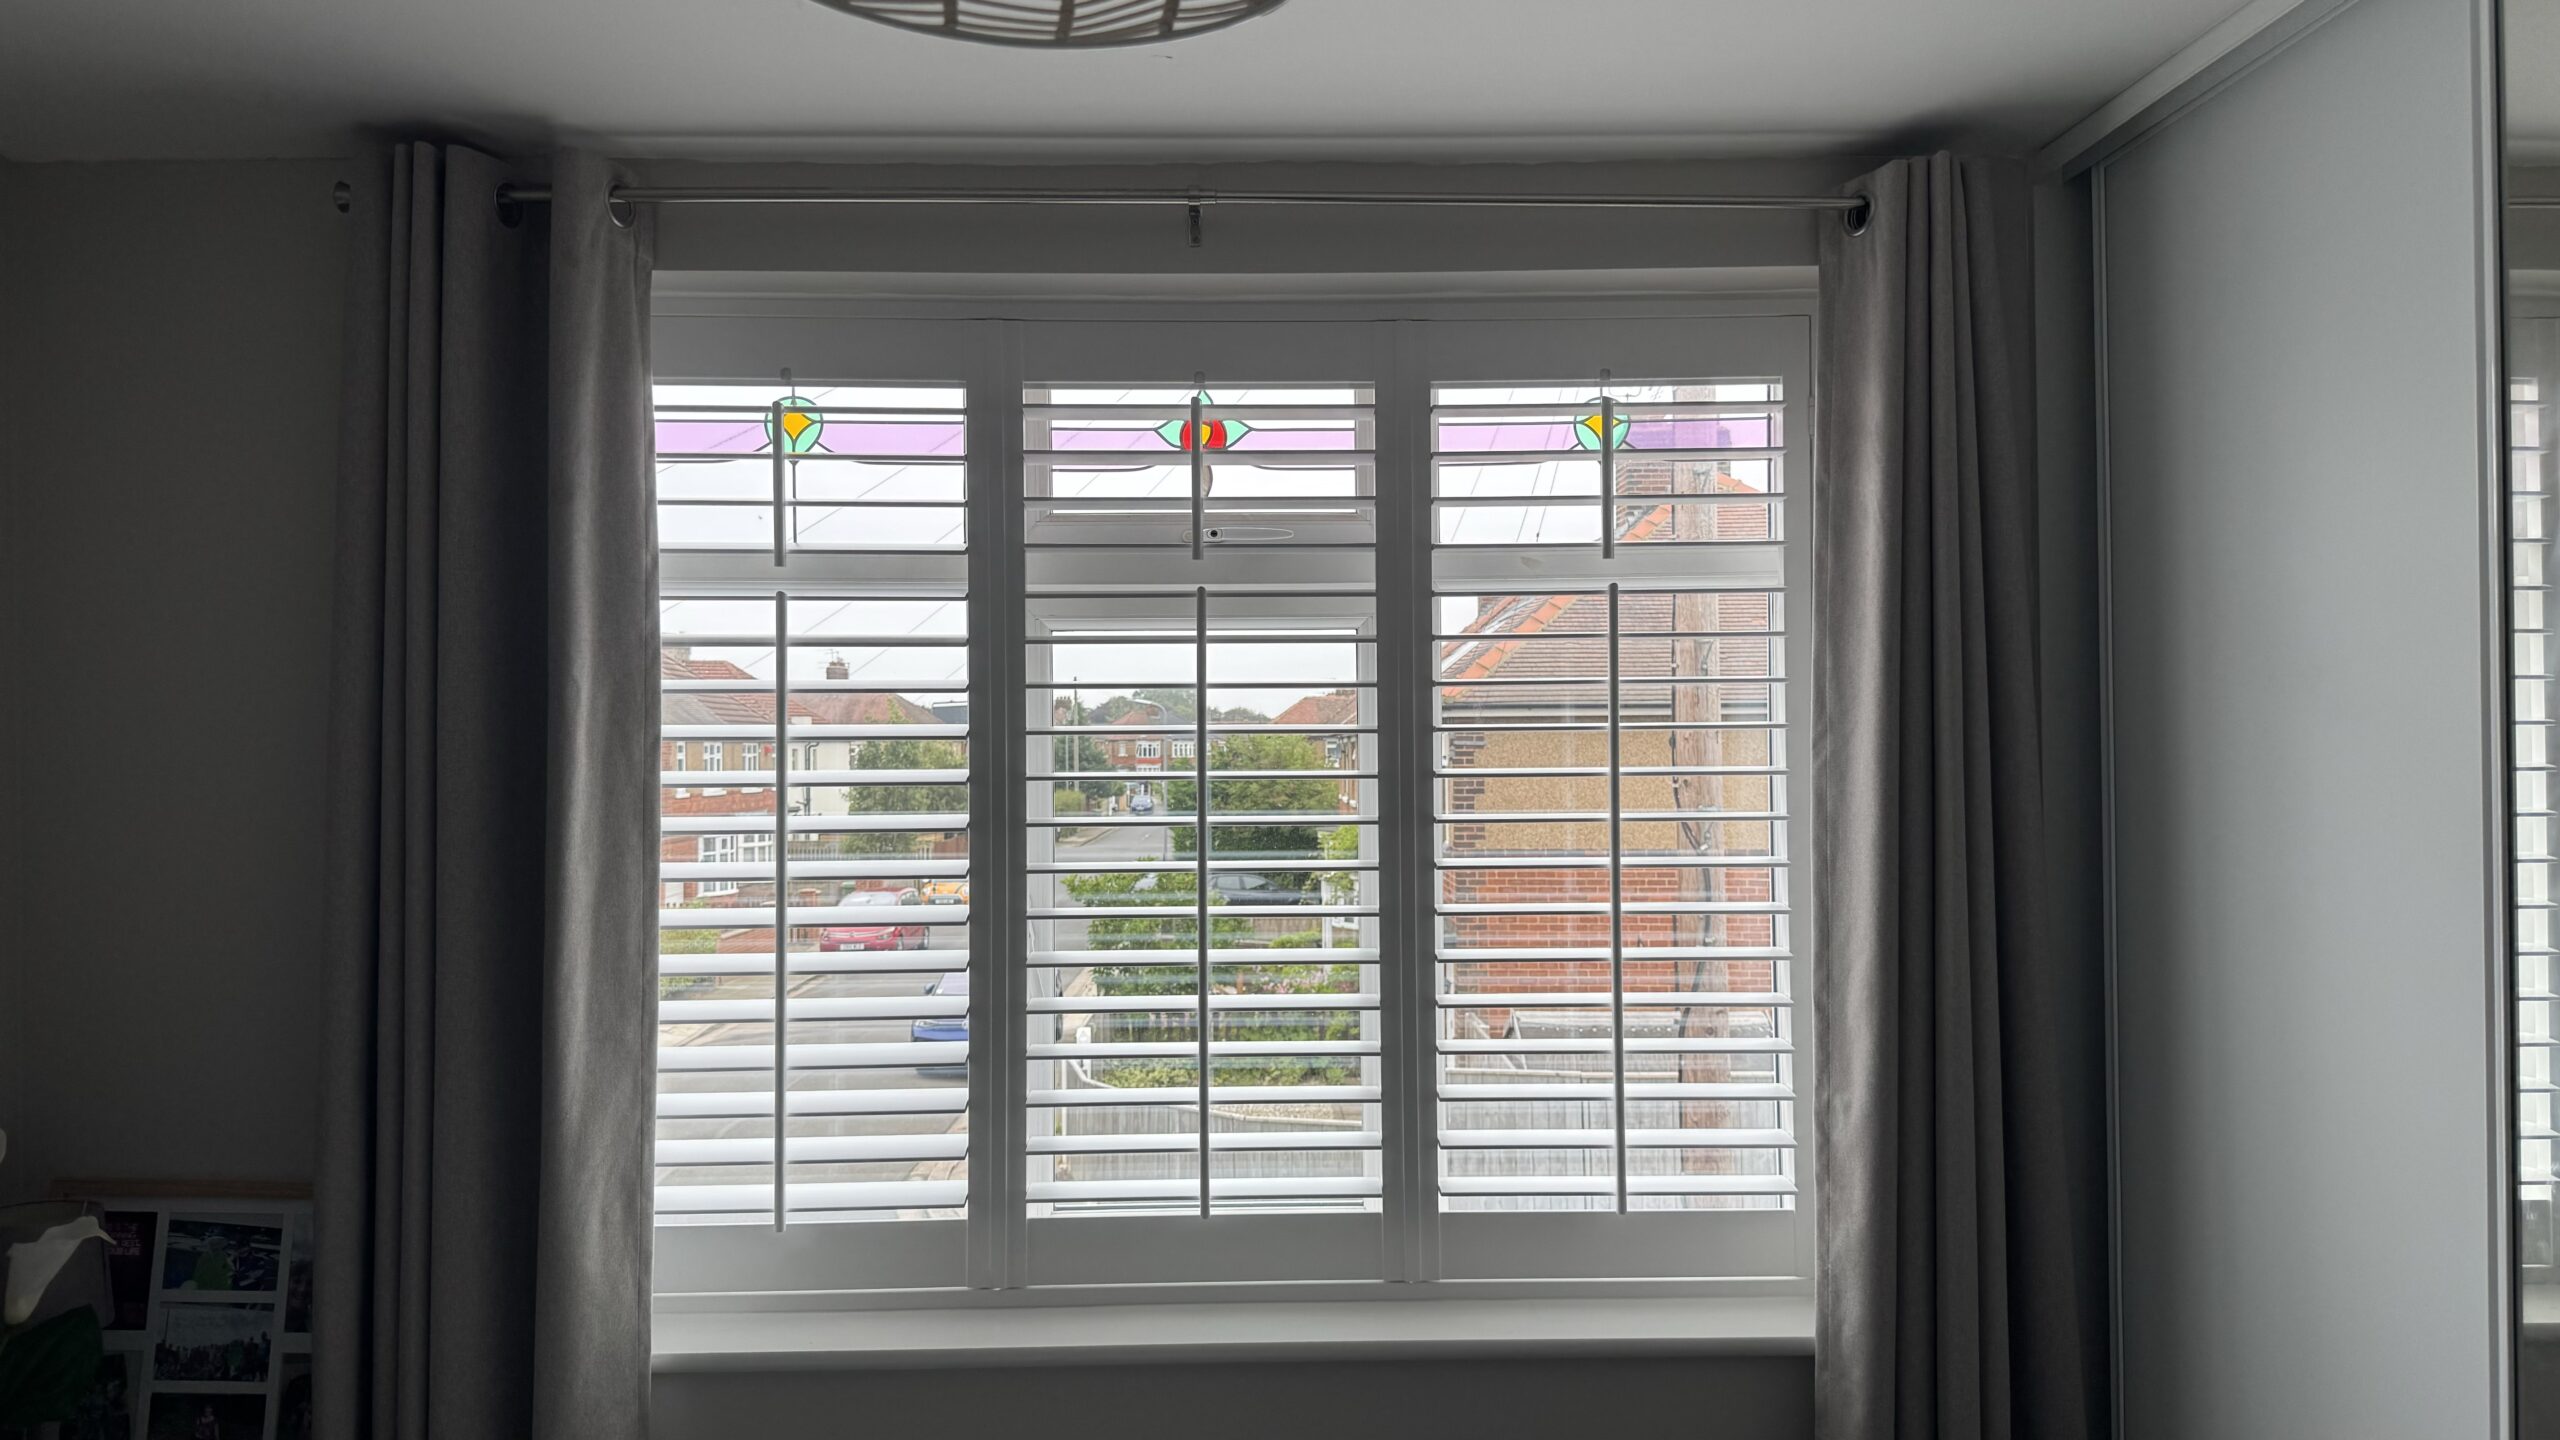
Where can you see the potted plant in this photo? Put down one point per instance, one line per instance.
(53, 1300)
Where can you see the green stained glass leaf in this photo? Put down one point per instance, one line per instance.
(800, 428)
(1586, 431)
(1214, 434)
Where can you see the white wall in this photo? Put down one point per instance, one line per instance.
(2302, 819)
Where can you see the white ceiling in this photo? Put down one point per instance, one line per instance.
(1364, 79)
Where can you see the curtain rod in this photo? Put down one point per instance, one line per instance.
(813, 195)
(1852, 208)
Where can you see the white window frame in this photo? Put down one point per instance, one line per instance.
(1410, 1250)
(730, 851)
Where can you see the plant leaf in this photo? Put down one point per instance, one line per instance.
(46, 1368)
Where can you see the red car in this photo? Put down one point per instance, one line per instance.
(888, 935)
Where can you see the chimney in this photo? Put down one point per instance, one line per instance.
(836, 668)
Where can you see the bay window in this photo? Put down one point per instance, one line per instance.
(1243, 802)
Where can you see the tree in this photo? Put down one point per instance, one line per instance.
(1160, 960)
(902, 799)
(1174, 704)
(1313, 797)
(1174, 934)
(1081, 755)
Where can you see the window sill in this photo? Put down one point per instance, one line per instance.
(1262, 1330)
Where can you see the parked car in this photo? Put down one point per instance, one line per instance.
(888, 934)
(1249, 887)
(944, 1028)
(1142, 803)
(946, 892)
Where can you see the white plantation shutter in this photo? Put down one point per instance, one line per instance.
(1610, 799)
(2534, 357)
(1200, 584)
(814, 1005)
(1325, 828)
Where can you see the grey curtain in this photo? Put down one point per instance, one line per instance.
(483, 1229)
(1960, 1124)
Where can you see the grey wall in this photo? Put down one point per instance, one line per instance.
(164, 626)
(1704, 1399)
(164, 631)
(172, 342)
(1239, 239)
(14, 368)
(2068, 519)
(2292, 347)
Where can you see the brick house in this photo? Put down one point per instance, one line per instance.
(752, 705)
(1155, 739)
(1341, 751)
(1544, 659)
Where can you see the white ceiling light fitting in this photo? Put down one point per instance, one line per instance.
(1058, 24)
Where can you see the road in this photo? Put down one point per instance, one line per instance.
(929, 965)
(1107, 844)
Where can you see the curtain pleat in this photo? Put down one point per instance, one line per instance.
(1959, 1101)
(483, 1229)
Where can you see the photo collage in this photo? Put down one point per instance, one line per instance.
(211, 1336)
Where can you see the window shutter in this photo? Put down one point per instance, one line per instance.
(1609, 797)
(1203, 1031)
(2529, 470)
(814, 969)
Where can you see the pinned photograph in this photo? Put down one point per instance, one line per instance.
(293, 1400)
(222, 1255)
(230, 1343)
(130, 1237)
(297, 1273)
(207, 1417)
(106, 1412)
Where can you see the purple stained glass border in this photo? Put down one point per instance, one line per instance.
(1122, 440)
(921, 439)
(1462, 437)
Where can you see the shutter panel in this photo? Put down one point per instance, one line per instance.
(1199, 596)
(816, 755)
(2534, 346)
(1609, 798)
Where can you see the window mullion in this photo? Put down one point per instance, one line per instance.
(781, 882)
(1406, 983)
(1200, 812)
(997, 751)
(1617, 894)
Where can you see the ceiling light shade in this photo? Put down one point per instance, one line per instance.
(1058, 24)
